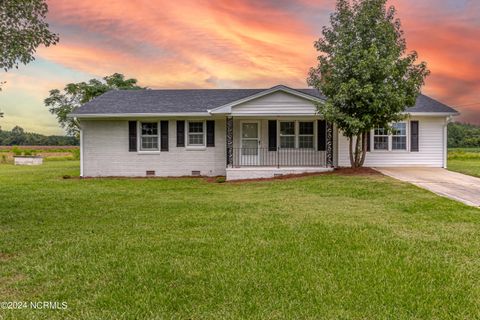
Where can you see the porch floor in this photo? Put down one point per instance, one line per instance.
(244, 173)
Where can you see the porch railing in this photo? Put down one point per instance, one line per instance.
(263, 157)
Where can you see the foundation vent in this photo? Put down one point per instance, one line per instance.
(150, 173)
(196, 173)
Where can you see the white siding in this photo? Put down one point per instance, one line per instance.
(431, 148)
(278, 103)
(105, 153)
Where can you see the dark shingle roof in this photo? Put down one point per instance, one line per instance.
(198, 100)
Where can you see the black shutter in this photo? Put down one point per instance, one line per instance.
(132, 136)
(272, 135)
(322, 135)
(180, 133)
(210, 133)
(163, 135)
(414, 145)
(368, 141)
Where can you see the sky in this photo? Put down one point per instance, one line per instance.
(227, 44)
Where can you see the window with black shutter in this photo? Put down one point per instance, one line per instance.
(414, 135)
(180, 133)
(272, 135)
(132, 136)
(322, 135)
(211, 133)
(163, 135)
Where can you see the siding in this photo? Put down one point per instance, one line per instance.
(105, 152)
(278, 103)
(431, 142)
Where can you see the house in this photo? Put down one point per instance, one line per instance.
(241, 133)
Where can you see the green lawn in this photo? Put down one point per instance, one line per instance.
(325, 247)
(465, 161)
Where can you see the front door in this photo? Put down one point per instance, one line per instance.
(250, 134)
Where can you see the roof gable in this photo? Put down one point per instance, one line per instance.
(227, 108)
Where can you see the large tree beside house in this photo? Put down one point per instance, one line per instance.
(62, 103)
(23, 28)
(365, 72)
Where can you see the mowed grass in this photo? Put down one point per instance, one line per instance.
(465, 161)
(325, 247)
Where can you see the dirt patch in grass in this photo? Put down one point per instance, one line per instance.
(5, 256)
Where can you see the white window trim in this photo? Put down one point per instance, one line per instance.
(139, 138)
(280, 135)
(406, 139)
(187, 133)
(305, 135)
(297, 134)
(390, 149)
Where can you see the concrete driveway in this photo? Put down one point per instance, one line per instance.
(446, 183)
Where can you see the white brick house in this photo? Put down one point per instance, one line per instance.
(241, 133)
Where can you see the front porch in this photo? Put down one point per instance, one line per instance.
(269, 147)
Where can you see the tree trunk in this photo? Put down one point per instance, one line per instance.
(364, 148)
(350, 149)
(359, 151)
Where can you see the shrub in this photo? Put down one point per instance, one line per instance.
(220, 180)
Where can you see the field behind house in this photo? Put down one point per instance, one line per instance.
(465, 161)
(327, 247)
(49, 153)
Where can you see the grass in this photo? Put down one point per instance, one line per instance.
(325, 247)
(465, 161)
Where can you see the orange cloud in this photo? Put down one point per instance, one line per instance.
(247, 43)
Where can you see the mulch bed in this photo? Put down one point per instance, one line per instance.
(338, 171)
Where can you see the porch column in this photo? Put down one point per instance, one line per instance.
(329, 145)
(229, 138)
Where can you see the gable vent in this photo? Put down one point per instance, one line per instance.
(150, 173)
(196, 173)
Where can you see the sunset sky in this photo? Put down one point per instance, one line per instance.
(227, 44)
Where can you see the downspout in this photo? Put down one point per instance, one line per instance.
(81, 145)
(445, 142)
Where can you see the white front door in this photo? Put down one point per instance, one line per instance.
(250, 142)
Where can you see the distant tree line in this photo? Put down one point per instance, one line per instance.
(18, 137)
(463, 135)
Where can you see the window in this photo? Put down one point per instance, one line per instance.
(397, 140)
(380, 139)
(287, 134)
(305, 135)
(196, 133)
(149, 136)
(399, 136)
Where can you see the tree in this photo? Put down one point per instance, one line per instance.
(22, 30)
(364, 71)
(76, 94)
